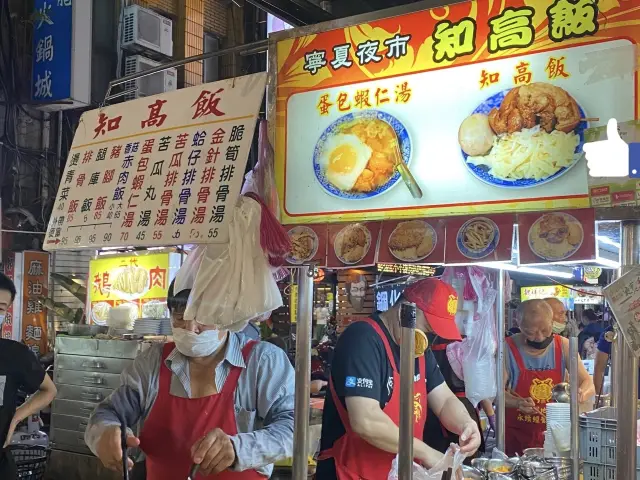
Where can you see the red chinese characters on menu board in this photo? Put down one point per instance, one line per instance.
(161, 170)
(352, 244)
(412, 241)
(559, 236)
(479, 239)
(9, 264)
(308, 244)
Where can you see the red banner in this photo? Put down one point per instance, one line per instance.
(352, 244)
(35, 273)
(412, 241)
(308, 244)
(479, 239)
(560, 236)
(10, 271)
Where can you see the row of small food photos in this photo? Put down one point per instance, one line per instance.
(551, 237)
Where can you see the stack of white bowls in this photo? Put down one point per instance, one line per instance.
(558, 425)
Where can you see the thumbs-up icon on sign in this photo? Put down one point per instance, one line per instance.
(613, 157)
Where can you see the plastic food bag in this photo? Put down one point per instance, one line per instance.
(477, 352)
(453, 460)
(230, 283)
(261, 180)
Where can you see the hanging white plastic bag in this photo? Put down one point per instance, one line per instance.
(453, 459)
(479, 363)
(232, 283)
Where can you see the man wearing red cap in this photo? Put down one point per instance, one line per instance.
(360, 432)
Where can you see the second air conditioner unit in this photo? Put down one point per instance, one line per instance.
(146, 30)
(153, 84)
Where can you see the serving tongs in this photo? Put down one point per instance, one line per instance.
(125, 448)
(407, 177)
(192, 473)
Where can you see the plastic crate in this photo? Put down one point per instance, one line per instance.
(31, 462)
(598, 444)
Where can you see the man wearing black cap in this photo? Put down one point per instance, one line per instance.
(360, 432)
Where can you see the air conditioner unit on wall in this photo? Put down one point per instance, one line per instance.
(147, 31)
(153, 84)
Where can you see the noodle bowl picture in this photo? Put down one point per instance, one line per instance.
(478, 238)
(356, 156)
(523, 137)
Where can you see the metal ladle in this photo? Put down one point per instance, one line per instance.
(561, 393)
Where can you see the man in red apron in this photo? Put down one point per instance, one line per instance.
(213, 398)
(537, 360)
(361, 414)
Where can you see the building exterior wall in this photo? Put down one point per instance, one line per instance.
(215, 17)
(192, 18)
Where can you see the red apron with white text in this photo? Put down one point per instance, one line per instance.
(175, 424)
(354, 458)
(527, 431)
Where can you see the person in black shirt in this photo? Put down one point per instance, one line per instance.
(19, 370)
(435, 435)
(363, 376)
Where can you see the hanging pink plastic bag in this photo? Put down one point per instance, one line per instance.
(473, 359)
(453, 460)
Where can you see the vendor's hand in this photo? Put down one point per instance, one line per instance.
(12, 428)
(527, 406)
(470, 438)
(317, 386)
(214, 453)
(586, 394)
(109, 448)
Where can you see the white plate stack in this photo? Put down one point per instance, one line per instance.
(559, 419)
(165, 326)
(147, 326)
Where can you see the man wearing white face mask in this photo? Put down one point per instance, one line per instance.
(559, 316)
(214, 398)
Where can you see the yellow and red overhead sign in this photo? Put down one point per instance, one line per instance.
(486, 103)
(139, 281)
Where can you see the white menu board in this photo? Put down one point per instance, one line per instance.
(623, 296)
(161, 170)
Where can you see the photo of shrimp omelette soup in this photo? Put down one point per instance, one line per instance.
(360, 156)
(352, 243)
(412, 241)
(531, 135)
(555, 236)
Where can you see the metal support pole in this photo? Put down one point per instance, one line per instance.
(574, 406)
(615, 366)
(407, 367)
(627, 409)
(303, 373)
(500, 404)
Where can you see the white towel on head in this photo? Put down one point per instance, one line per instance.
(230, 283)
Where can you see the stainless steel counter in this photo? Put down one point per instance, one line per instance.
(86, 371)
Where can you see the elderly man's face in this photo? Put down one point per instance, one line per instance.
(559, 312)
(536, 326)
